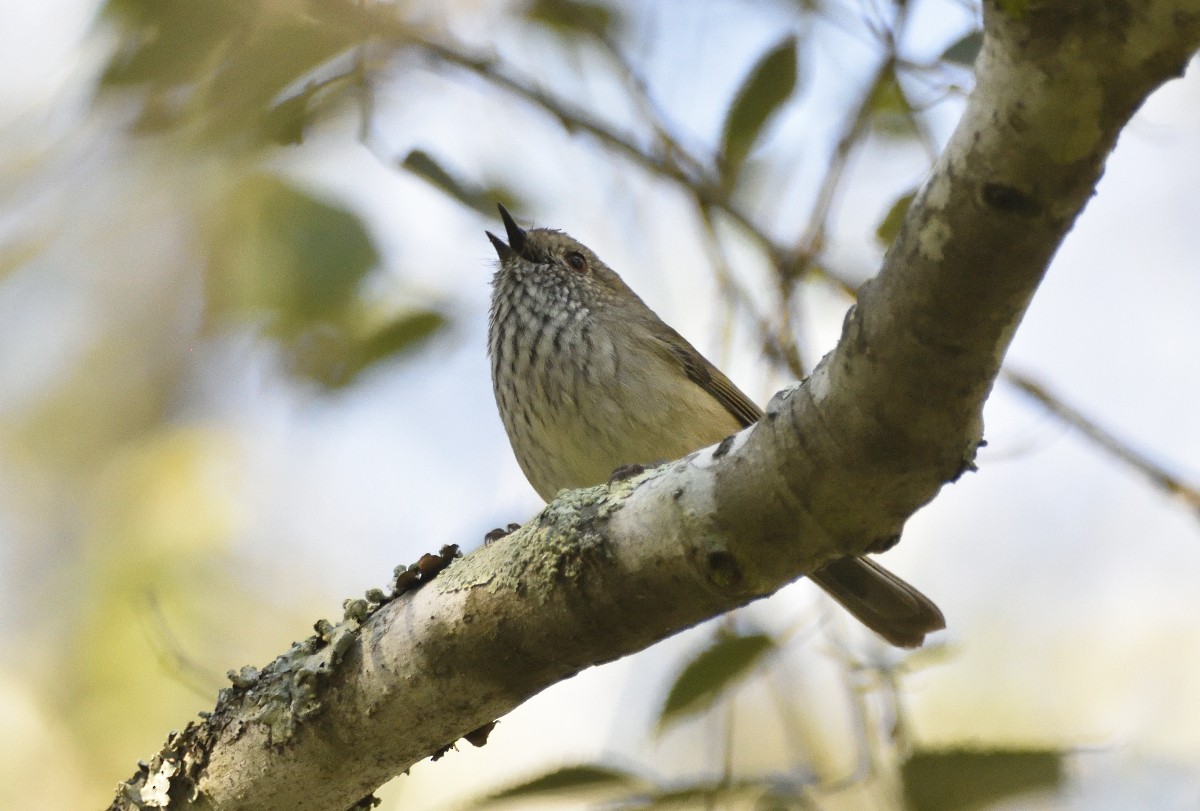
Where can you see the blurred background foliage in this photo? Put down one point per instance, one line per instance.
(241, 375)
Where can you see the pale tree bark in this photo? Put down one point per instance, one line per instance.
(835, 468)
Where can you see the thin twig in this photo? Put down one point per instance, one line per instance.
(794, 264)
(571, 119)
(813, 236)
(172, 658)
(1120, 449)
(654, 115)
(730, 728)
(867, 756)
(738, 296)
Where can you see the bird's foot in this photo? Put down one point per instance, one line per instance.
(499, 532)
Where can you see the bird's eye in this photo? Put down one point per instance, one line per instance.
(576, 262)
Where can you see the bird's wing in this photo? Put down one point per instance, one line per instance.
(708, 377)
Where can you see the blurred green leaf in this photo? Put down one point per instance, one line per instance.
(1017, 9)
(708, 796)
(399, 335)
(167, 43)
(262, 68)
(765, 794)
(891, 114)
(586, 777)
(477, 197)
(706, 678)
(889, 226)
(220, 64)
(769, 84)
(773, 800)
(334, 353)
(284, 122)
(288, 116)
(574, 17)
(426, 167)
(963, 779)
(965, 50)
(280, 252)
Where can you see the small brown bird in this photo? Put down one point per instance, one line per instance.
(588, 379)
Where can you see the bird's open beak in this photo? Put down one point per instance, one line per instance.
(516, 237)
(502, 250)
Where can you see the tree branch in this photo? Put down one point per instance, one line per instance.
(835, 467)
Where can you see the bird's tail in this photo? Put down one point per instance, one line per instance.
(881, 601)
